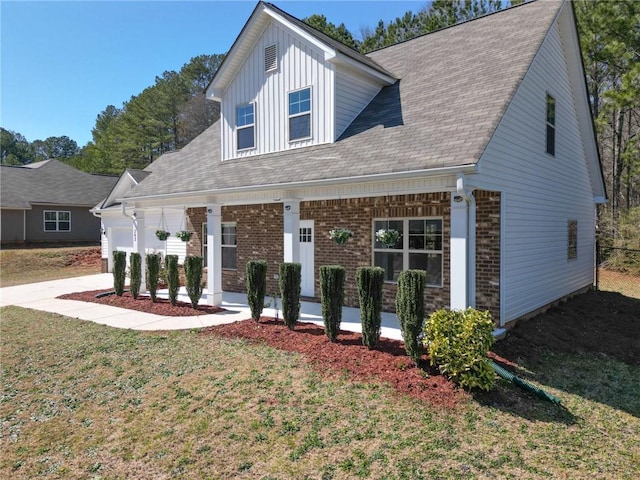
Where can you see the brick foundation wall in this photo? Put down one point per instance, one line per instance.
(488, 252)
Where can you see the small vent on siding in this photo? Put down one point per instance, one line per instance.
(270, 58)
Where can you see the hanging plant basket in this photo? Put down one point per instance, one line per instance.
(162, 234)
(388, 237)
(340, 235)
(184, 235)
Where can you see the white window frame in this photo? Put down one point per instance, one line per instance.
(246, 126)
(300, 114)
(205, 244)
(235, 246)
(406, 252)
(57, 220)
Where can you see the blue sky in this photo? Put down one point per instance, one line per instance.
(62, 63)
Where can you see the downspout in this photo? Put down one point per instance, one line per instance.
(467, 194)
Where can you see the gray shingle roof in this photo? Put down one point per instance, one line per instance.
(454, 87)
(51, 182)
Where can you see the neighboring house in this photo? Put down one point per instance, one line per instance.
(475, 142)
(49, 201)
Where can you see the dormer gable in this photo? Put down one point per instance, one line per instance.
(285, 85)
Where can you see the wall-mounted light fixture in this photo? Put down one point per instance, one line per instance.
(457, 198)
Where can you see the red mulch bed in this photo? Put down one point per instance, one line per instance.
(594, 323)
(388, 363)
(143, 304)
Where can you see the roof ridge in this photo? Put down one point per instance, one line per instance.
(458, 24)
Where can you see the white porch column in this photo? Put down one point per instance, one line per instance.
(459, 259)
(214, 254)
(139, 245)
(292, 231)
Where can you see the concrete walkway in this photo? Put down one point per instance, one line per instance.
(42, 296)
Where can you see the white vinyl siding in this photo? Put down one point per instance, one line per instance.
(539, 196)
(353, 93)
(300, 65)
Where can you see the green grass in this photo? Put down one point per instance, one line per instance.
(81, 400)
(28, 265)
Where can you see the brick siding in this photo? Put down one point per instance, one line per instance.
(488, 252)
(259, 236)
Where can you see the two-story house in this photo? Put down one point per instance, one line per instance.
(474, 142)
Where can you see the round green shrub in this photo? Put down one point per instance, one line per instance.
(458, 342)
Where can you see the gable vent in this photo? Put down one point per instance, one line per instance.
(271, 58)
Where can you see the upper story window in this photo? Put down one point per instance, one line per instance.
(245, 126)
(57, 221)
(551, 125)
(300, 114)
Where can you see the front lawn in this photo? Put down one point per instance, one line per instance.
(81, 400)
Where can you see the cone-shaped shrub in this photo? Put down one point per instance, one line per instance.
(119, 271)
(256, 286)
(173, 277)
(193, 278)
(458, 342)
(135, 263)
(289, 280)
(153, 274)
(410, 310)
(370, 281)
(332, 297)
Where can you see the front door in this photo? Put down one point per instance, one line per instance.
(307, 288)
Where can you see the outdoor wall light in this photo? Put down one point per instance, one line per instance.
(457, 198)
(209, 211)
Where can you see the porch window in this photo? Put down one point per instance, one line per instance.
(551, 125)
(245, 126)
(205, 243)
(419, 247)
(229, 246)
(300, 114)
(57, 221)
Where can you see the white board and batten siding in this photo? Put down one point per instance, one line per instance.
(541, 192)
(338, 94)
(300, 65)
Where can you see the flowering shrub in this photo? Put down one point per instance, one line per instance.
(340, 235)
(389, 237)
